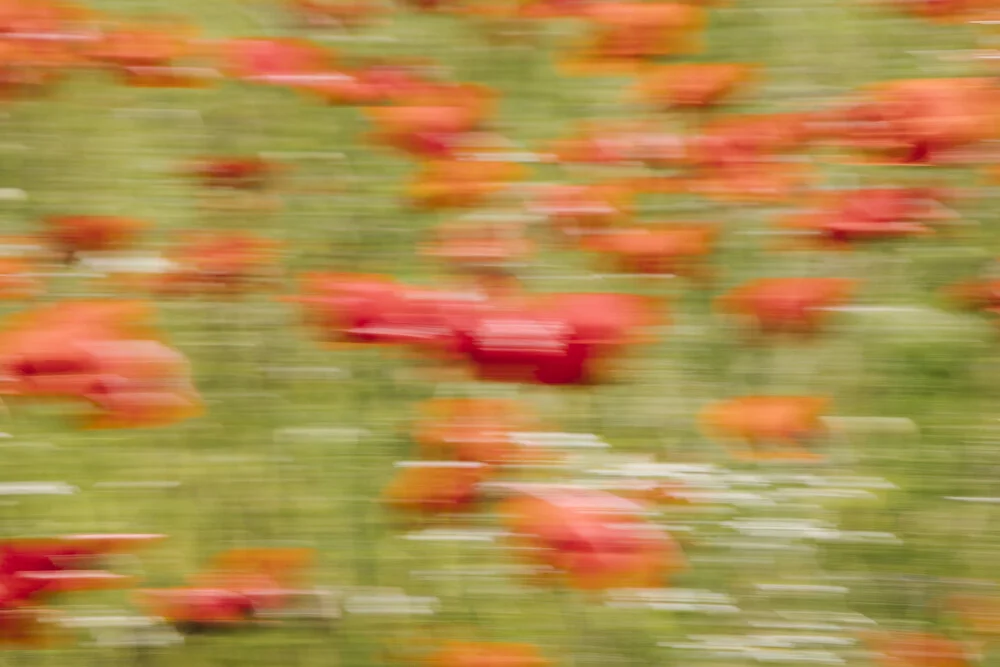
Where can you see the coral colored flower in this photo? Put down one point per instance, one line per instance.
(918, 121)
(72, 234)
(477, 430)
(978, 295)
(579, 209)
(693, 84)
(220, 262)
(793, 305)
(851, 216)
(435, 488)
(237, 586)
(281, 61)
(143, 45)
(631, 33)
(662, 249)
(482, 654)
(757, 421)
(594, 539)
(104, 354)
(15, 281)
(915, 649)
(446, 184)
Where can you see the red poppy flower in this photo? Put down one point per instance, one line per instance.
(279, 61)
(435, 488)
(559, 339)
(72, 234)
(914, 649)
(667, 249)
(918, 121)
(102, 354)
(756, 421)
(978, 295)
(594, 539)
(482, 654)
(792, 305)
(245, 173)
(850, 216)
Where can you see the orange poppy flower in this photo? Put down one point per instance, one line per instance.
(785, 421)
(917, 121)
(945, 11)
(465, 244)
(482, 654)
(594, 539)
(220, 262)
(627, 34)
(747, 139)
(579, 209)
(620, 143)
(915, 649)
(461, 184)
(235, 589)
(978, 295)
(980, 613)
(671, 249)
(72, 234)
(435, 488)
(765, 182)
(693, 84)
(143, 45)
(16, 281)
(475, 430)
(787, 305)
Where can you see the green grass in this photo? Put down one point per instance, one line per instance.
(238, 485)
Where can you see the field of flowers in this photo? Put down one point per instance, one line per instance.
(469, 333)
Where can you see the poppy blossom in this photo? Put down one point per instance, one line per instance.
(219, 262)
(443, 184)
(150, 45)
(16, 281)
(238, 172)
(579, 209)
(978, 295)
(842, 218)
(279, 61)
(693, 84)
(73, 234)
(677, 249)
(786, 305)
(917, 121)
(628, 34)
(621, 144)
(477, 430)
(558, 339)
(594, 539)
(435, 488)
(760, 421)
(916, 649)
(235, 588)
(483, 654)
(105, 355)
